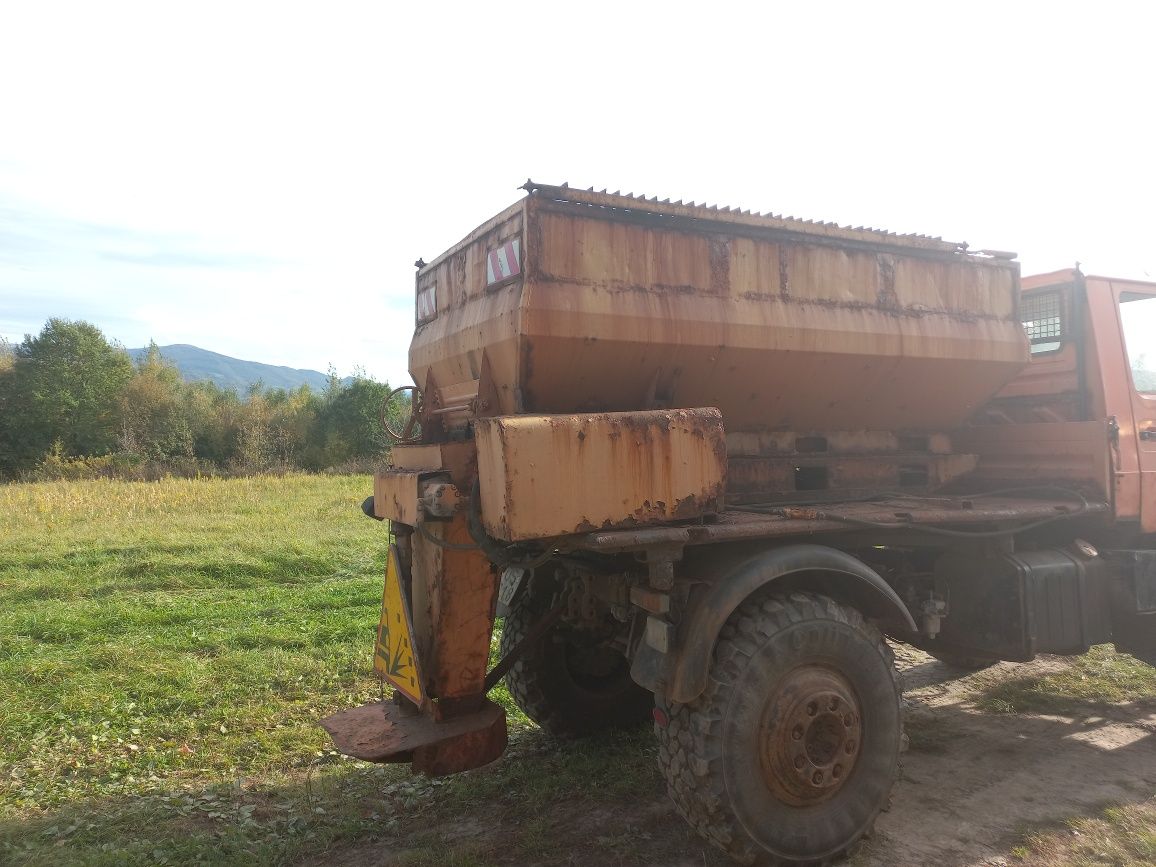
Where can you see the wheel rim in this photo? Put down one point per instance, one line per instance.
(811, 734)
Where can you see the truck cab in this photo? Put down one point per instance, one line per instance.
(1093, 359)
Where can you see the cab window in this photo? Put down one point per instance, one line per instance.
(1138, 318)
(1043, 319)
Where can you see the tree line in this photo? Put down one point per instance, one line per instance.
(73, 404)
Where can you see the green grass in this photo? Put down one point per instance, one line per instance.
(1122, 835)
(1095, 680)
(165, 652)
(156, 632)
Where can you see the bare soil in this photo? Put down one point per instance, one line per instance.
(973, 786)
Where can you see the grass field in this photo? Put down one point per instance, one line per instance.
(166, 649)
(165, 652)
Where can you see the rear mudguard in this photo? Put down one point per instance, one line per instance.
(682, 676)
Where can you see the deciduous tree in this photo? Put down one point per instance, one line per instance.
(65, 388)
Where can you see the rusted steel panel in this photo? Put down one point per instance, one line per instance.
(898, 513)
(1072, 452)
(737, 219)
(386, 732)
(842, 474)
(395, 495)
(459, 459)
(545, 476)
(472, 318)
(835, 351)
(1052, 387)
(1045, 391)
(781, 324)
(454, 594)
(416, 457)
(858, 442)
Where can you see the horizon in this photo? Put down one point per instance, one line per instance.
(163, 346)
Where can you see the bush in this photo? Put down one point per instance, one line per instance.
(58, 466)
(74, 406)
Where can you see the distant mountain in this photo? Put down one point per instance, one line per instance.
(196, 365)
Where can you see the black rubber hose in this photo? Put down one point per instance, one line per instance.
(367, 507)
(496, 553)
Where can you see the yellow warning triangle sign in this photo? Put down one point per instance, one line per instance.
(394, 657)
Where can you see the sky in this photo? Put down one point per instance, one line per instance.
(258, 178)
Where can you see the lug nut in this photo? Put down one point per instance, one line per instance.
(799, 762)
(837, 771)
(812, 709)
(850, 748)
(818, 778)
(797, 733)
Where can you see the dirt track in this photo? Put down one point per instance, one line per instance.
(972, 785)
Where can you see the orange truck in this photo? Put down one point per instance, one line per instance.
(703, 462)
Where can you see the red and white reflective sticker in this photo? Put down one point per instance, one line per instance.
(427, 304)
(504, 262)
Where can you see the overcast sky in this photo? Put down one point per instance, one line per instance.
(258, 179)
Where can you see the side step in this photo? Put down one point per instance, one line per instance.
(387, 732)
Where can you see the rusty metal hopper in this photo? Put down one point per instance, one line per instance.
(575, 301)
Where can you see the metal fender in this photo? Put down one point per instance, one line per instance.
(834, 573)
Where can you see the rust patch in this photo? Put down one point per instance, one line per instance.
(647, 513)
(593, 272)
(687, 507)
(383, 732)
(720, 266)
(887, 296)
(545, 476)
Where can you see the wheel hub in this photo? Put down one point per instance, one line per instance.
(811, 733)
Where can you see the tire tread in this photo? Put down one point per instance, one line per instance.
(690, 746)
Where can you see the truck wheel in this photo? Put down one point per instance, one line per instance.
(572, 682)
(792, 750)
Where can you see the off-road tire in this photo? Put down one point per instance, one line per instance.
(711, 749)
(562, 701)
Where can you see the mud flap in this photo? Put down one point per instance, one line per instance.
(386, 731)
(1133, 601)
